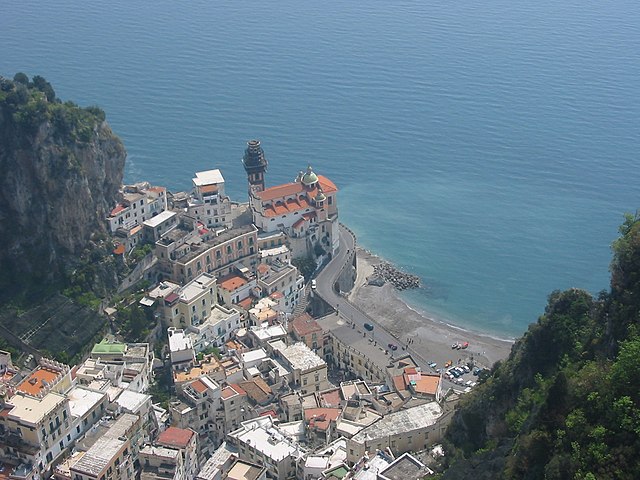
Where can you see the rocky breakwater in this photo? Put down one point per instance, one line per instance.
(386, 272)
(61, 171)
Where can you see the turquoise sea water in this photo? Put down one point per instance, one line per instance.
(490, 148)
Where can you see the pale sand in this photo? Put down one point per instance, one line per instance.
(431, 337)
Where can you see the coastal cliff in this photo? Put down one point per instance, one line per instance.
(566, 403)
(61, 167)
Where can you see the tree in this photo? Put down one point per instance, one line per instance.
(21, 78)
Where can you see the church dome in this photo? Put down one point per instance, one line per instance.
(320, 197)
(309, 178)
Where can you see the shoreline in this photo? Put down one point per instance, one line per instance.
(425, 333)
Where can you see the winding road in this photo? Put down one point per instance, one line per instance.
(328, 277)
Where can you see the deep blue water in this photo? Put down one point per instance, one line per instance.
(490, 147)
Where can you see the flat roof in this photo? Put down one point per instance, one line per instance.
(153, 222)
(99, 455)
(106, 347)
(267, 439)
(176, 437)
(201, 284)
(208, 177)
(178, 341)
(300, 356)
(254, 355)
(82, 400)
(32, 410)
(405, 467)
(132, 401)
(400, 422)
(243, 470)
(39, 380)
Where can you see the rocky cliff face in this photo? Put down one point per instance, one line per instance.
(60, 170)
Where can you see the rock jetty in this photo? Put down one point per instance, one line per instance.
(386, 272)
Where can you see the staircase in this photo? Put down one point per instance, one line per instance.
(302, 305)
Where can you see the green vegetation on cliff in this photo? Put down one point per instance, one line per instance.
(62, 168)
(566, 403)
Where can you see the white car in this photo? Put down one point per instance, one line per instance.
(313, 284)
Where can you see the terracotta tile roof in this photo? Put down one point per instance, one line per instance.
(398, 383)
(119, 250)
(276, 295)
(299, 223)
(309, 216)
(246, 303)
(331, 398)
(263, 268)
(117, 210)
(280, 208)
(209, 188)
(157, 189)
(175, 437)
(172, 297)
(199, 386)
(257, 390)
(280, 191)
(321, 418)
(38, 380)
(305, 325)
(426, 384)
(232, 282)
(271, 413)
(327, 185)
(232, 390)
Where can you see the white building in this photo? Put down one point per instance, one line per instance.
(208, 203)
(87, 407)
(216, 329)
(305, 209)
(188, 305)
(283, 278)
(260, 441)
(139, 203)
(407, 430)
(181, 349)
(156, 227)
(35, 431)
(308, 369)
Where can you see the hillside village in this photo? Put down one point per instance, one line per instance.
(267, 379)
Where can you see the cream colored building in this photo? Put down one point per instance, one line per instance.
(306, 208)
(261, 441)
(413, 429)
(191, 304)
(112, 455)
(208, 203)
(139, 203)
(35, 431)
(309, 371)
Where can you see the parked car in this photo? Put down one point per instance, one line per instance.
(393, 346)
(368, 326)
(313, 284)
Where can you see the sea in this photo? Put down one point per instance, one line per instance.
(490, 147)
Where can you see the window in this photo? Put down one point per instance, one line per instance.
(330, 200)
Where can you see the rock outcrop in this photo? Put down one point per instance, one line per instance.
(60, 170)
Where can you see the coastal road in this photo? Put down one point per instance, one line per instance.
(327, 278)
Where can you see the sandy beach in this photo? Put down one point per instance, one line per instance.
(426, 335)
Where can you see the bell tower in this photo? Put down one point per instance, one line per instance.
(255, 164)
